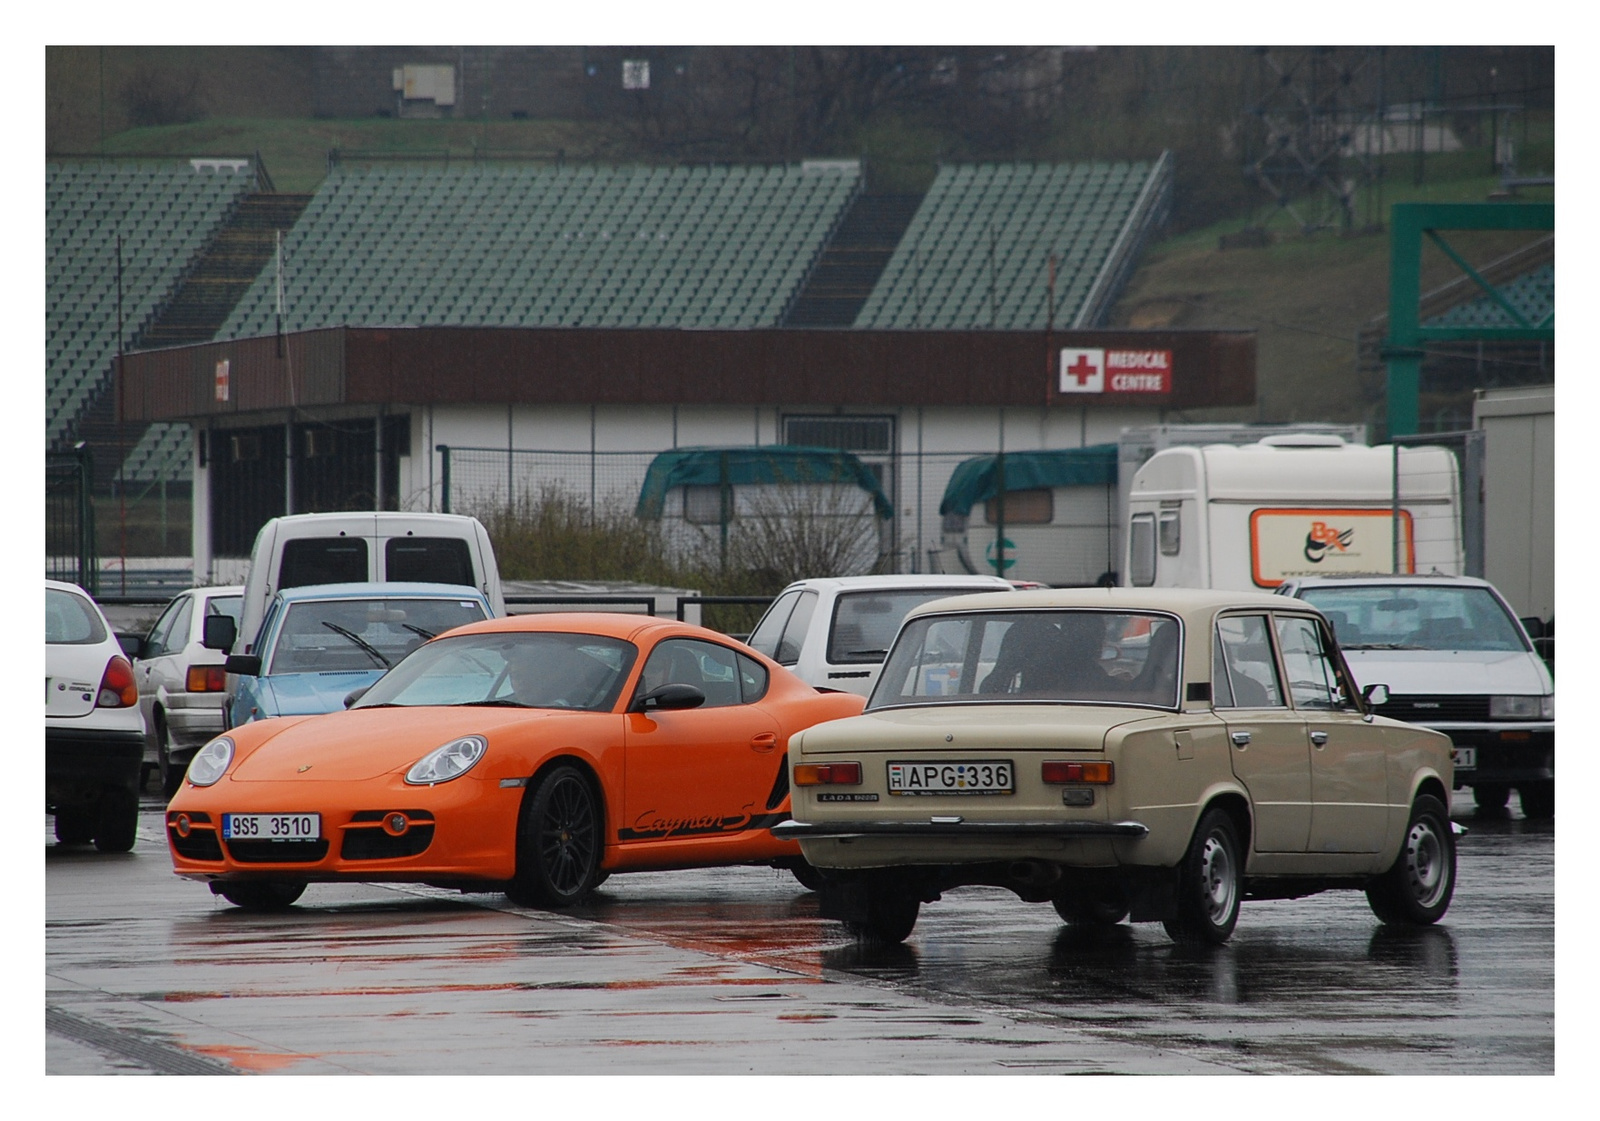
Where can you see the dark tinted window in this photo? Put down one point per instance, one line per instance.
(322, 560)
(432, 560)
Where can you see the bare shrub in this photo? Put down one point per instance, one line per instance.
(784, 533)
(554, 535)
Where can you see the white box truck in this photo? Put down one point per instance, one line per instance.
(1290, 505)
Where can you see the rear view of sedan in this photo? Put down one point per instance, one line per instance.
(1159, 755)
(93, 732)
(535, 755)
(181, 680)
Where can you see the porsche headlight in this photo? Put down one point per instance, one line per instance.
(1521, 708)
(211, 761)
(452, 760)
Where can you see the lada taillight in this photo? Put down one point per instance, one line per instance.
(1099, 772)
(117, 689)
(205, 679)
(827, 774)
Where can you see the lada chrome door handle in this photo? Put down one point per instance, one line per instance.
(1319, 738)
(1240, 738)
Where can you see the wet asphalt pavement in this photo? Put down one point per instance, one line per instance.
(730, 971)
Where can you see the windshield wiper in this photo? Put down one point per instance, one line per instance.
(359, 641)
(1380, 646)
(418, 630)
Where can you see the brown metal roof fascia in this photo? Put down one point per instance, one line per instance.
(496, 365)
(180, 382)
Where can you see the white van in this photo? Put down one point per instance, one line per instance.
(359, 546)
(1293, 505)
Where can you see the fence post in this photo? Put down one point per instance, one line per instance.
(725, 496)
(1000, 514)
(88, 562)
(444, 477)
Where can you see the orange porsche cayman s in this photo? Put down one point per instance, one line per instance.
(536, 755)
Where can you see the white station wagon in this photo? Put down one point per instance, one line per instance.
(1151, 754)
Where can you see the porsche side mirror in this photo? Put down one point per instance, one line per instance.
(670, 696)
(245, 665)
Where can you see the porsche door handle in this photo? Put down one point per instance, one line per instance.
(1319, 738)
(766, 741)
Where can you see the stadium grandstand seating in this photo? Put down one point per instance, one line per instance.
(977, 253)
(1533, 295)
(164, 213)
(531, 246)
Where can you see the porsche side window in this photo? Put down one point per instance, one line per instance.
(685, 661)
(1247, 659)
(753, 679)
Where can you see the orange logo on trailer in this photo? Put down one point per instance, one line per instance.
(1324, 537)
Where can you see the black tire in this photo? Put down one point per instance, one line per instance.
(262, 895)
(1091, 908)
(806, 873)
(888, 921)
(559, 841)
(75, 826)
(1210, 883)
(1416, 889)
(171, 773)
(1538, 800)
(1491, 796)
(116, 824)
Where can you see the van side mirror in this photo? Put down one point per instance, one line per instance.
(219, 632)
(1376, 695)
(245, 665)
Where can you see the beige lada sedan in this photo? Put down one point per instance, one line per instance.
(1156, 755)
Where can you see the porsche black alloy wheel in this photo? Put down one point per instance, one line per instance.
(262, 895)
(559, 841)
(1416, 889)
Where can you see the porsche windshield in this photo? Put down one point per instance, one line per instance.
(1088, 657)
(539, 669)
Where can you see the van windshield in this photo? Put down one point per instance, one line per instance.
(1413, 617)
(1091, 657)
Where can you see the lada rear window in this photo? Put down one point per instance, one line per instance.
(1088, 657)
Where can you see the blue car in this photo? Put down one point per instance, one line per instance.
(319, 644)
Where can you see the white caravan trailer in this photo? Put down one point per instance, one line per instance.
(1290, 506)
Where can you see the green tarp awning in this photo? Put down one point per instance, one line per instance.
(976, 480)
(775, 463)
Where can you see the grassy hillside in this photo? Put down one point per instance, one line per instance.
(1307, 296)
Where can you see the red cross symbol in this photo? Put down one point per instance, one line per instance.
(1083, 370)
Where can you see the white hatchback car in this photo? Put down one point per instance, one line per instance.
(834, 631)
(93, 730)
(181, 682)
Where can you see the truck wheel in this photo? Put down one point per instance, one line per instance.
(1491, 796)
(888, 920)
(117, 822)
(1538, 800)
(1210, 882)
(1416, 889)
